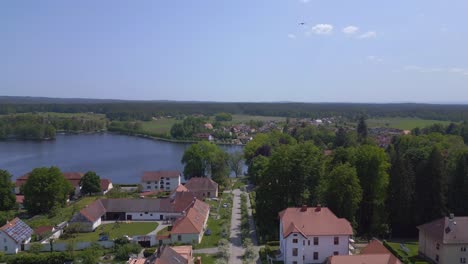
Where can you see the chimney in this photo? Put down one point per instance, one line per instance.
(304, 208)
(318, 208)
(198, 260)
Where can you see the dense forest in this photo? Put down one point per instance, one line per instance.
(44, 126)
(382, 192)
(144, 110)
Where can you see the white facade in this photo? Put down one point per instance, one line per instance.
(163, 184)
(442, 253)
(8, 245)
(297, 249)
(151, 216)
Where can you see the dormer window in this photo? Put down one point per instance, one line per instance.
(437, 246)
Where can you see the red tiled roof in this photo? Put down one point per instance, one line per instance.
(43, 229)
(313, 221)
(73, 177)
(374, 253)
(20, 199)
(193, 221)
(93, 211)
(169, 255)
(181, 188)
(157, 175)
(105, 184)
(196, 184)
(446, 230)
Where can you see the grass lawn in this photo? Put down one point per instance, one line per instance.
(404, 123)
(116, 230)
(63, 214)
(217, 225)
(411, 256)
(239, 182)
(206, 258)
(160, 126)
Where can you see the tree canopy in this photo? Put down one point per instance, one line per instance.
(45, 189)
(90, 183)
(7, 197)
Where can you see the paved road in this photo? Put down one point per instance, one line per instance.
(236, 249)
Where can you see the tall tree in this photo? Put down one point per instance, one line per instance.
(45, 189)
(371, 166)
(341, 192)
(90, 183)
(7, 197)
(459, 186)
(362, 130)
(235, 162)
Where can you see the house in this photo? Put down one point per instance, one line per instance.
(202, 187)
(160, 180)
(106, 185)
(190, 228)
(375, 252)
(312, 234)
(13, 236)
(73, 178)
(43, 231)
(444, 240)
(189, 214)
(169, 255)
(20, 201)
(204, 136)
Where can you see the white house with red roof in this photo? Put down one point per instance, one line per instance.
(445, 240)
(312, 234)
(160, 180)
(202, 187)
(13, 235)
(374, 253)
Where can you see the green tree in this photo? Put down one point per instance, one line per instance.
(235, 162)
(90, 183)
(7, 197)
(223, 117)
(257, 169)
(459, 186)
(205, 159)
(44, 189)
(362, 130)
(342, 192)
(371, 165)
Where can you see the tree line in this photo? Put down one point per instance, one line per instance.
(382, 192)
(128, 110)
(37, 126)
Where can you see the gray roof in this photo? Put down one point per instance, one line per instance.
(18, 230)
(447, 231)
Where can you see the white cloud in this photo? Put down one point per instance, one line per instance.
(374, 59)
(368, 34)
(454, 70)
(322, 29)
(291, 36)
(350, 30)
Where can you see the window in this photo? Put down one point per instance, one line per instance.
(437, 258)
(437, 246)
(316, 242)
(308, 242)
(303, 242)
(336, 240)
(148, 182)
(209, 194)
(294, 262)
(179, 238)
(294, 252)
(151, 214)
(146, 212)
(148, 187)
(335, 253)
(462, 260)
(315, 255)
(6, 248)
(167, 183)
(295, 240)
(141, 214)
(167, 179)
(462, 249)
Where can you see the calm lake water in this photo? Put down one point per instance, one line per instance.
(117, 157)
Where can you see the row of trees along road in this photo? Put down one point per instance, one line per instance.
(418, 178)
(45, 190)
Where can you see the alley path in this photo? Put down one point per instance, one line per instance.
(236, 249)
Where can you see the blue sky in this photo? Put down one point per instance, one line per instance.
(242, 50)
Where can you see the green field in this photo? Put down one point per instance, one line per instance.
(160, 126)
(115, 230)
(205, 258)
(62, 214)
(411, 256)
(404, 123)
(236, 119)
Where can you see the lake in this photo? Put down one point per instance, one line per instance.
(117, 157)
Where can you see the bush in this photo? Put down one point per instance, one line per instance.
(149, 252)
(124, 251)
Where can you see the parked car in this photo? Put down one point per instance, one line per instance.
(225, 205)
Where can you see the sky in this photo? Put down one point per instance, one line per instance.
(238, 50)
